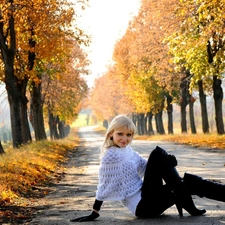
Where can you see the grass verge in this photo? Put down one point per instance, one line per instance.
(209, 141)
(25, 171)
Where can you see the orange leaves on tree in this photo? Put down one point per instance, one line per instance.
(141, 56)
(107, 98)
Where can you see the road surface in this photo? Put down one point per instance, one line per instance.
(74, 195)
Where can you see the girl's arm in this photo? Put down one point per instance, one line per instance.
(93, 215)
(97, 205)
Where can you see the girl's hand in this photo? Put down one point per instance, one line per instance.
(89, 217)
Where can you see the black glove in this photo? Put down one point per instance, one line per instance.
(89, 217)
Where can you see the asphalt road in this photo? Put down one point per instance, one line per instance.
(74, 195)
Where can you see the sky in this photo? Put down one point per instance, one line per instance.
(106, 21)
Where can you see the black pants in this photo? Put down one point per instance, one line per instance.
(156, 197)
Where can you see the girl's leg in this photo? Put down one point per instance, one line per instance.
(156, 204)
(182, 194)
(204, 188)
(153, 178)
(160, 166)
(156, 197)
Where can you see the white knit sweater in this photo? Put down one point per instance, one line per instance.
(120, 174)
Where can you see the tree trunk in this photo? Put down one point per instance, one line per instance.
(140, 124)
(204, 112)
(159, 122)
(8, 54)
(142, 121)
(22, 86)
(184, 102)
(1, 149)
(14, 105)
(191, 114)
(150, 130)
(218, 99)
(52, 122)
(134, 118)
(145, 123)
(37, 112)
(26, 135)
(169, 109)
(183, 118)
(61, 128)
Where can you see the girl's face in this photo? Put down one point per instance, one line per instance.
(122, 137)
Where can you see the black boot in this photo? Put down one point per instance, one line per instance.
(182, 196)
(204, 188)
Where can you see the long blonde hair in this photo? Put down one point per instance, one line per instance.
(120, 121)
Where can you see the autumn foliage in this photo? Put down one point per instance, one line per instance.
(41, 42)
(107, 98)
(26, 172)
(170, 50)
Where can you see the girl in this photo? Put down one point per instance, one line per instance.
(122, 169)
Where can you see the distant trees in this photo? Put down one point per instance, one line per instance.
(108, 98)
(34, 37)
(170, 49)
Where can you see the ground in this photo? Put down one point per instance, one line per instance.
(73, 196)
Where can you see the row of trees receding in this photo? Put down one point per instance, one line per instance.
(170, 49)
(41, 64)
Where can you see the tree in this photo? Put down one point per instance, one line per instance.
(108, 97)
(57, 28)
(199, 46)
(142, 53)
(26, 29)
(63, 93)
(8, 51)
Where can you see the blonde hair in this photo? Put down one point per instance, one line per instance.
(120, 121)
